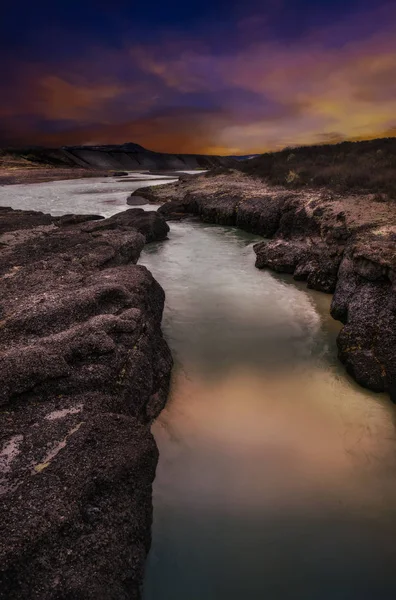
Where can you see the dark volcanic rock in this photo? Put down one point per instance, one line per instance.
(365, 301)
(148, 193)
(174, 211)
(261, 216)
(215, 208)
(306, 259)
(15, 220)
(75, 219)
(282, 256)
(12, 220)
(84, 370)
(149, 223)
(136, 201)
(210, 209)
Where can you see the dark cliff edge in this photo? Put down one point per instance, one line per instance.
(104, 159)
(84, 370)
(134, 157)
(338, 243)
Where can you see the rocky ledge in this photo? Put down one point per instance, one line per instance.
(344, 245)
(84, 370)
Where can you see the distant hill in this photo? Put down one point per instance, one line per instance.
(128, 156)
(348, 166)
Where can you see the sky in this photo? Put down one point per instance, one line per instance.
(207, 76)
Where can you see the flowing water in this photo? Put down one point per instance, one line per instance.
(96, 195)
(277, 474)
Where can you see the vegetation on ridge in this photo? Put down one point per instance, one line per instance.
(346, 167)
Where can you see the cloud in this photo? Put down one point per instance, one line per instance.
(60, 99)
(187, 96)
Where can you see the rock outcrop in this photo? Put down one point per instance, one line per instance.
(339, 244)
(84, 370)
(365, 301)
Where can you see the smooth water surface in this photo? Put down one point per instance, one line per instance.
(277, 474)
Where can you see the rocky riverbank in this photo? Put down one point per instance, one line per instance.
(84, 370)
(339, 244)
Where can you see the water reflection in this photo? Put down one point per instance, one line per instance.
(276, 473)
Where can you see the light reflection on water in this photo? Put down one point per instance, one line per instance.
(276, 476)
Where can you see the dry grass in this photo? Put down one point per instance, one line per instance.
(347, 167)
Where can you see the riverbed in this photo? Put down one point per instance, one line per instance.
(276, 477)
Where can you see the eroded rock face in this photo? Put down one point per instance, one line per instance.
(345, 245)
(282, 256)
(308, 260)
(360, 269)
(365, 301)
(83, 371)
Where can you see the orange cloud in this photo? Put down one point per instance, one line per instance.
(59, 99)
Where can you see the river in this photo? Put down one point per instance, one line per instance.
(276, 477)
(93, 195)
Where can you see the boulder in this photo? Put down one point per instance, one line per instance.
(151, 224)
(136, 201)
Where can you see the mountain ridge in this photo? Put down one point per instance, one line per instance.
(128, 156)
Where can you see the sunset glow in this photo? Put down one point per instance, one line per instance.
(272, 77)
